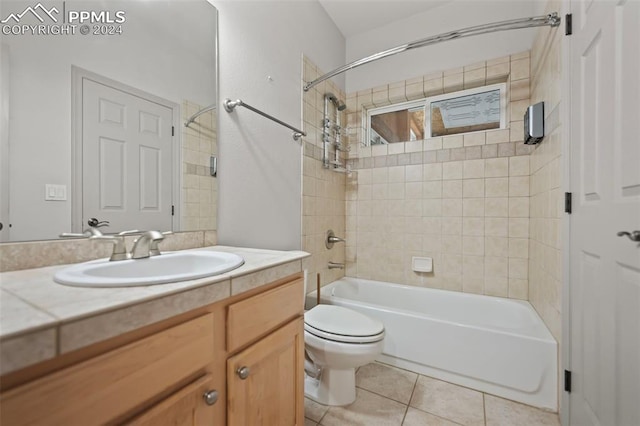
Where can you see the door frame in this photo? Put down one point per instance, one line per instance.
(566, 150)
(5, 176)
(77, 76)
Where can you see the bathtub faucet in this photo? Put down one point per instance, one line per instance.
(336, 265)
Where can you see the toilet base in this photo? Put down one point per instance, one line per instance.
(335, 387)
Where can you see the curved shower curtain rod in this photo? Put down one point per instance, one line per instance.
(198, 114)
(552, 20)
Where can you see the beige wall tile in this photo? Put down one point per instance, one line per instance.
(473, 169)
(497, 136)
(473, 188)
(496, 207)
(453, 82)
(520, 69)
(496, 246)
(497, 187)
(497, 167)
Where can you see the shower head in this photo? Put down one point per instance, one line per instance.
(334, 100)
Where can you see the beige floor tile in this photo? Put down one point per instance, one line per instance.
(501, 412)
(387, 381)
(461, 405)
(369, 409)
(314, 410)
(308, 422)
(420, 418)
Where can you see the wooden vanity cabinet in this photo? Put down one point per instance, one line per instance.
(265, 381)
(186, 370)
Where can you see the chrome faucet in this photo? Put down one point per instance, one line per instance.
(119, 245)
(146, 245)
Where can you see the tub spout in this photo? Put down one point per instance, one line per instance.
(336, 265)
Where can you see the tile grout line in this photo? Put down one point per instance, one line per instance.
(406, 411)
(438, 416)
(383, 396)
(484, 408)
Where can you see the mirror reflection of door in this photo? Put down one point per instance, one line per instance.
(127, 157)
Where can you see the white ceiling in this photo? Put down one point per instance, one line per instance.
(357, 16)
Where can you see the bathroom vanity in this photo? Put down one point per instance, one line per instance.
(227, 349)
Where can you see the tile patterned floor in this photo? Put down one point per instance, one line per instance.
(388, 396)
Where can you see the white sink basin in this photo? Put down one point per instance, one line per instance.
(166, 268)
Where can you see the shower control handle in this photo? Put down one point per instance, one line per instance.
(243, 372)
(332, 239)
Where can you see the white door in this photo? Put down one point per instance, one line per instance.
(126, 159)
(605, 179)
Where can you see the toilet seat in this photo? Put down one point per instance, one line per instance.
(343, 325)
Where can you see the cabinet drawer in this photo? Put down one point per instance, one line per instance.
(103, 388)
(253, 317)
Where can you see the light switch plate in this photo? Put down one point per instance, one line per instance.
(54, 192)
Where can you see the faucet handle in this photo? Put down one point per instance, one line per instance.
(153, 246)
(130, 232)
(87, 233)
(119, 246)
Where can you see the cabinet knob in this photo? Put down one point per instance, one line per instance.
(210, 397)
(243, 372)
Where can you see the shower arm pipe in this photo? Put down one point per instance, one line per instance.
(230, 105)
(198, 114)
(552, 20)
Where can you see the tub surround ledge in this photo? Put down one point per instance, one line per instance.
(43, 319)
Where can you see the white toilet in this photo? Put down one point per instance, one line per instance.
(337, 341)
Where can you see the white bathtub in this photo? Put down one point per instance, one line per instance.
(495, 345)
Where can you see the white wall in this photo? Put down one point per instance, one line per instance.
(450, 16)
(157, 53)
(260, 164)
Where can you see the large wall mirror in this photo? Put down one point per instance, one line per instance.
(95, 97)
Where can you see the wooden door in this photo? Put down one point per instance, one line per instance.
(127, 150)
(187, 407)
(605, 180)
(272, 392)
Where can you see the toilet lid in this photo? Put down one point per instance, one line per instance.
(342, 324)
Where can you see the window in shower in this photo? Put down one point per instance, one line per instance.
(472, 110)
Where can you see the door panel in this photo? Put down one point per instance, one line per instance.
(605, 176)
(127, 158)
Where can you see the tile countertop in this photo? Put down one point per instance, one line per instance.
(31, 302)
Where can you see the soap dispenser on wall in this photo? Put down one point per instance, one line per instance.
(534, 124)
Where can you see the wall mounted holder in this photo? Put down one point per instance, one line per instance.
(534, 124)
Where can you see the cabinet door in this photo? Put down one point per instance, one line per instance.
(186, 407)
(265, 382)
(113, 385)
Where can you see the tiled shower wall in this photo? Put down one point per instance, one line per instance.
(323, 190)
(462, 200)
(199, 188)
(547, 198)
